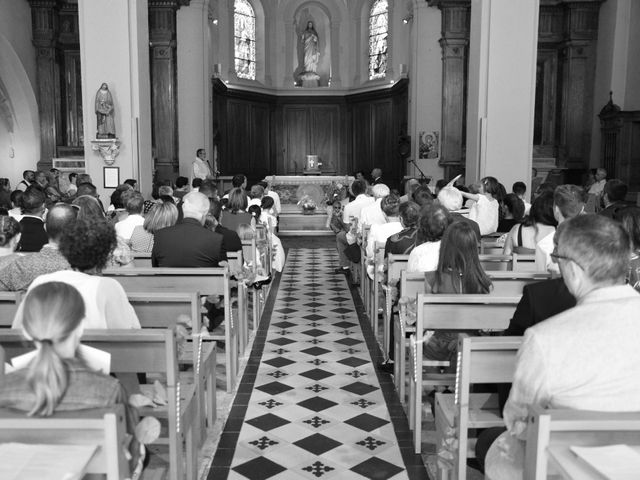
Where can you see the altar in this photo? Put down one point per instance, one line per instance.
(298, 196)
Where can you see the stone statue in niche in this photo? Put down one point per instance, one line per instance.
(311, 48)
(105, 113)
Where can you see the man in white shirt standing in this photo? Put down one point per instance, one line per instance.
(200, 167)
(585, 358)
(568, 202)
(601, 181)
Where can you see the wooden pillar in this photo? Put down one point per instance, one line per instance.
(44, 19)
(454, 43)
(164, 88)
(578, 74)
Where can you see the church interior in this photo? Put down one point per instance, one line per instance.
(304, 94)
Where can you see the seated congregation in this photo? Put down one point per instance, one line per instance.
(536, 309)
(174, 280)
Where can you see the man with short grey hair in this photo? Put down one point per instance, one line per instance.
(451, 199)
(601, 181)
(189, 243)
(586, 358)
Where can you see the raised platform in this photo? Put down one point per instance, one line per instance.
(292, 189)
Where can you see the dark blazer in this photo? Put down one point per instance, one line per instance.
(33, 235)
(540, 300)
(613, 210)
(230, 240)
(457, 217)
(187, 244)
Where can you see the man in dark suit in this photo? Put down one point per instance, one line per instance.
(376, 176)
(451, 199)
(230, 240)
(613, 196)
(189, 243)
(32, 225)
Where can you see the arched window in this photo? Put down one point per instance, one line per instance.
(378, 32)
(244, 35)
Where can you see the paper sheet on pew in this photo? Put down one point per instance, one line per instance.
(20, 461)
(615, 462)
(94, 358)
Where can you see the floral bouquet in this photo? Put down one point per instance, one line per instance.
(335, 191)
(308, 204)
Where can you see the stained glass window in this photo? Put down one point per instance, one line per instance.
(244, 35)
(378, 32)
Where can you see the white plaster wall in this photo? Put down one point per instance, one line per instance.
(194, 92)
(501, 89)
(425, 99)
(114, 42)
(19, 150)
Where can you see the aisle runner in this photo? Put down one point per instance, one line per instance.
(317, 410)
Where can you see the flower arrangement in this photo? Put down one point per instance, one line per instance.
(308, 204)
(335, 191)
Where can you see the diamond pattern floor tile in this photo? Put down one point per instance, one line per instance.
(317, 410)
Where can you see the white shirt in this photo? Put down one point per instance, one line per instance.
(199, 169)
(379, 233)
(372, 215)
(485, 213)
(527, 207)
(544, 249)
(586, 358)
(124, 228)
(424, 257)
(597, 187)
(353, 209)
(276, 201)
(254, 201)
(105, 300)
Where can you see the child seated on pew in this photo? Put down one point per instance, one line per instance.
(459, 271)
(57, 379)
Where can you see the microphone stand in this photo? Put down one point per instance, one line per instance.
(423, 177)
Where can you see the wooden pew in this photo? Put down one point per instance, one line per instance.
(393, 265)
(9, 302)
(551, 432)
(496, 262)
(366, 284)
(481, 360)
(524, 262)
(251, 257)
(161, 310)
(236, 262)
(104, 427)
(141, 259)
(378, 259)
(448, 312)
(148, 351)
(205, 281)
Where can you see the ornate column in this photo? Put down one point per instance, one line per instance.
(578, 73)
(454, 43)
(335, 53)
(44, 20)
(163, 70)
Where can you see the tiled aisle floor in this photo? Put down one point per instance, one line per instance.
(310, 404)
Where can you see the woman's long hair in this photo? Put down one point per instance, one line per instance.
(237, 200)
(52, 312)
(459, 259)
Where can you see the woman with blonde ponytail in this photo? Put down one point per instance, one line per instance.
(56, 379)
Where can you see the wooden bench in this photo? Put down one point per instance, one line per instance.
(481, 360)
(551, 432)
(162, 310)
(205, 281)
(141, 259)
(9, 302)
(252, 259)
(149, 351)
(450, 313)
(104, 427)
(393, 265)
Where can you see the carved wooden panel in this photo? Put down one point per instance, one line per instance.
(260, 135)
(325, 136)
(361, 128)
(296, 138)
(239, 151)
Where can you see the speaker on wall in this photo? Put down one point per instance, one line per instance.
(404, 146)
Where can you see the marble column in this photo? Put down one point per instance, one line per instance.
(578, 73)
(501, 89)
(114, 49)
(454, 44)
(163, 65)
(44, 19)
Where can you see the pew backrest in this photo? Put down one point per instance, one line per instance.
(395, 265)
(162, 310)
(104, 427)
(141, 259)
(9, 302)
